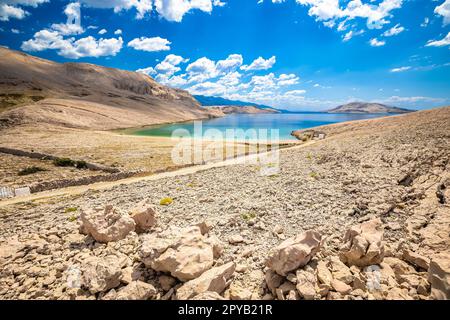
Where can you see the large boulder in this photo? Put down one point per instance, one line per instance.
(184, 253)
(105, 225)
(363, 244)
(136, 290)
(213, 280)
(100, 274)
(439, 276)
(294, 253)
(144, 215)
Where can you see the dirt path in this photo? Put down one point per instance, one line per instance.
(109, 184)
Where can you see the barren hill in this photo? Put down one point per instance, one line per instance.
(363, 107)
(86, 95)
(241, 109)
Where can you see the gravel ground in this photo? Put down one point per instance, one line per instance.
(388, 168)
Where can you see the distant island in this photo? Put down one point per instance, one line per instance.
(364, 107)
(241, 110)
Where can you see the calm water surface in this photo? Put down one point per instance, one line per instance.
(285, 123)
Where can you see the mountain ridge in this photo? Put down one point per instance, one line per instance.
(87, 95)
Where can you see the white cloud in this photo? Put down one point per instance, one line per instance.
(201, 70)
(439, 43)
(13, 8)
(172, 10)
(148, 71)
(412, 100)
(169, 65)
(7, 12)
(400, 69)
(395, 30)
(102, 32)
(15, 31)
(349, 35)
(376, 43)
(260, 64)
(287, 79)
(230, 64)
(73, 24)
(118, 32)
(204, 68)
(444, 11)
(328, 11)
(71, 48)
(150, 44)
(425, 22)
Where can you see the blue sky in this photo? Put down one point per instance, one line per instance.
(291, 54)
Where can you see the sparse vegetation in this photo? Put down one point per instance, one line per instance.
(64, 162)
(67, 162)
(248, 215)
(81, 164)
(166, 201)
(71, 209)
(314, 175)
(30, 170)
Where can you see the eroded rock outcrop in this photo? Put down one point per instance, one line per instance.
(105, 225)
(363, 244)
(294, 253)
(439, 276)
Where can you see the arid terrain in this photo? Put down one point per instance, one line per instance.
(361, 214)
(73, 111)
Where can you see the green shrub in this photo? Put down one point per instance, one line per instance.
(64, 162)
(249, 215)
(30, 170)
(70, 209)
(314, 175)
(81, 164)
(166, 201)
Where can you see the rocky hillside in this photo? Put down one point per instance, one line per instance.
(362, 214)
(363, 107)
(86, 95)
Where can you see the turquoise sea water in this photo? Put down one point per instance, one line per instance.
(284, 122)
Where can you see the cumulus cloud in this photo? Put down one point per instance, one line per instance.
(328, 11)
(53, 39)
(150, 44)
(102, 32)
(439, 43)
(287, 79)
(118, 32)
(7, 12)
(376, 43)
(172, 10)
(12, 9)
(71, 48)
(223, 78)
(148, 71)
(73, 24)
(444, 11)
(260, 64)
(395, 30)
(204, 68)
